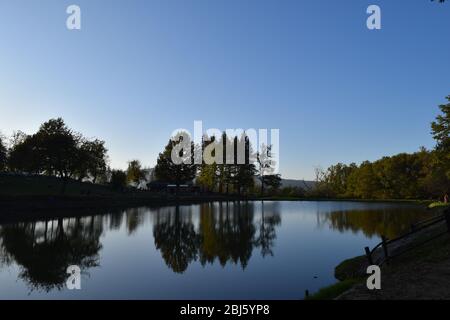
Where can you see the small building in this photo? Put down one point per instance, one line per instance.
(171, 188)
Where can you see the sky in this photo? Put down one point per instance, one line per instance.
(139, 69)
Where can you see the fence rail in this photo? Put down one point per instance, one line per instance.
(386, 254)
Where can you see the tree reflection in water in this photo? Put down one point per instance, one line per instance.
(226, 232)
(388, 221)
(175, 237)
(44, 250)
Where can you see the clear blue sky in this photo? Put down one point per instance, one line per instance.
(139, 69)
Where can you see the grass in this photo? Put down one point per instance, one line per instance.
(18, 185)
(349, 272)
(438, 205)
(350, 268)
(334, 290)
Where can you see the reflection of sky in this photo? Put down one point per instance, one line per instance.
(140, 69)
(131, 266)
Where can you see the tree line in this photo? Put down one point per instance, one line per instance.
(220, 170)
(56, 150)
(421, 175)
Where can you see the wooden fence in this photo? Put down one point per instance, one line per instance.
(379, 257)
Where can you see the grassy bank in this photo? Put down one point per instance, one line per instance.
(334, 290)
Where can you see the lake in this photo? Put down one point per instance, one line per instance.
(227, 250)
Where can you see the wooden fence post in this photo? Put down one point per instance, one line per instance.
(385, 248)
(447, 218)
(369, 255)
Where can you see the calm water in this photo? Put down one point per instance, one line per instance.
(245, 250)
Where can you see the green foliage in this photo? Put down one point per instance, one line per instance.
(291, 192)
(333, 291)
(424, 174)
(438, 205)
(441, 128)
(441, 133)
(135, 173)
(403, 176)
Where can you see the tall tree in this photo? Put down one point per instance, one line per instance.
(118, 179)
(93, 155)
(25, 155)
(243, 174)
(58, 148)
(208, 173)
(266, 165)
(441, 133)
(3, 154)
(178, 173)
(135, 173)
(441, 128)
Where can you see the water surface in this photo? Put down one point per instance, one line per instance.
(234, 250)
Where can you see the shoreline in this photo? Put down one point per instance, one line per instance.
(18, 207)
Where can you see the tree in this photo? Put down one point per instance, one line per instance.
(168, 171)
(92, 159)
(135, 173)
(25, 155)
(176, 238)
(273, 181)
(207, 176)
(118, 179)
(3, 155)
(441, 128)
(58, 148)
(209, 173)
(266, 164)
(242, 174)
(441, 133)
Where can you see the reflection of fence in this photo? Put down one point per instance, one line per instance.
(390, 248)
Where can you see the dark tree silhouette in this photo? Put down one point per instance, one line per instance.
(3, 155)
(45, 250)
(168, 171)
(118, 179)
(267, 234)
(25, 155)
(55, 150)
(175, 236)
(91, 160)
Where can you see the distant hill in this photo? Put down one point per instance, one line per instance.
(304, 184)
